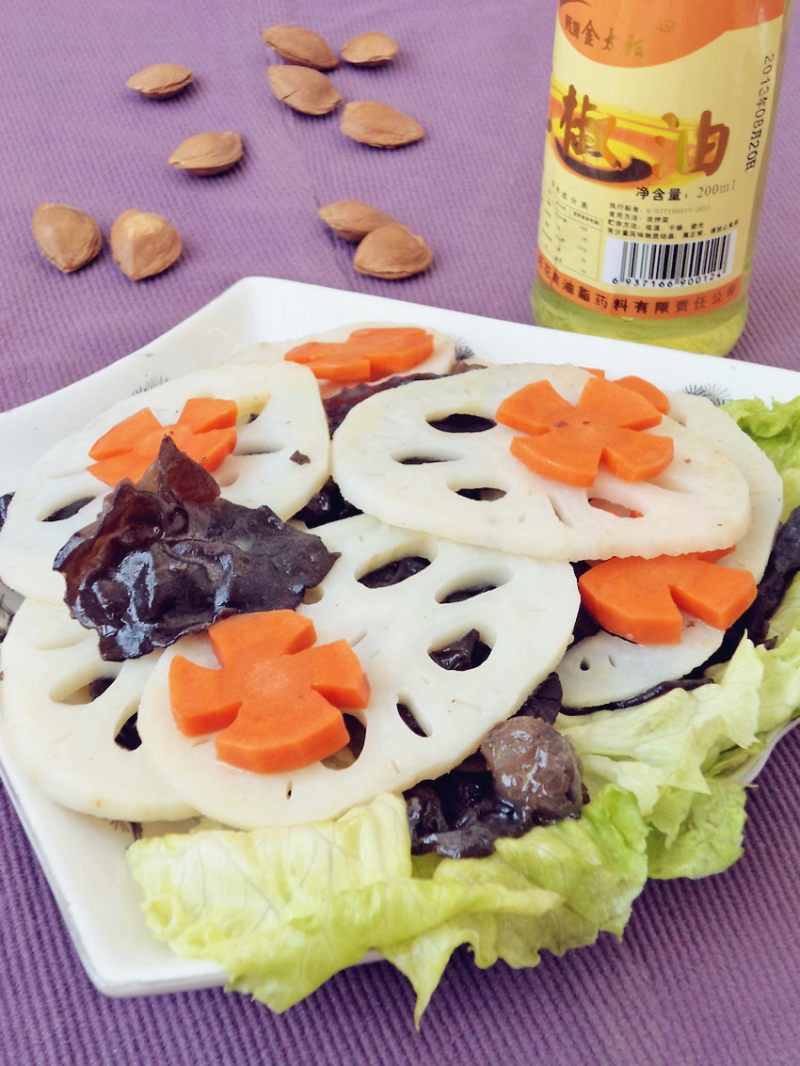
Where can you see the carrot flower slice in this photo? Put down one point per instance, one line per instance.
(367, 353)
(276, 699)
(205, 431)
(568, 442)
(642, 599)
(645, 388)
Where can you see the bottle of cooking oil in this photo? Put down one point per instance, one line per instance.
(660, 120)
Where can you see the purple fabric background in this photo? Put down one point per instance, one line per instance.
(708, 972)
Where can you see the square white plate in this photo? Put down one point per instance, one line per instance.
(83, 857)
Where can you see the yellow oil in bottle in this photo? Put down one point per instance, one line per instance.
(714, 333)
(659, 129)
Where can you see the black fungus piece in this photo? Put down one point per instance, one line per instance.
(339, 405)
(480, 493)
(394, 572)
(535, 769)
(98, 686)
(473, 838)
(68, 510)
(465, 653)
(300, 458)
(419, 460)
(342, 402)
(425, 813)
(6, 616)
(586, 625)
(545, 700)
(168, 556)
(327, 506)
(409, 721)
(457, 816)
(784, 563)
(528, 775)
(128, 737)
(463, 422)
(688, 684)
(459, 595)
(4, 502)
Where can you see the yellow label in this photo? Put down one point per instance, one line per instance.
(655, 141)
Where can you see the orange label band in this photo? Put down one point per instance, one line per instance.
(648, 304)
(659, 31)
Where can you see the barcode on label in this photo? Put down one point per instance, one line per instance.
(655, 265)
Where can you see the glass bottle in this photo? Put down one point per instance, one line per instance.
(660, 120)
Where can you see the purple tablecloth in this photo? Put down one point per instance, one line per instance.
(707, 972)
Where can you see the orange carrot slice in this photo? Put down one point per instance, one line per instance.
(645, 388)
(276, 700)
(367, 353)
(201, 414)
(642, 599)
(125, 435)
(205, 431)
(568, 442)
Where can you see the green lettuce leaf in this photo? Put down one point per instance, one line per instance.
(595, 866)
(682, 754)
(281, 910)
(666, 743)
(776, 430)
(704, 831)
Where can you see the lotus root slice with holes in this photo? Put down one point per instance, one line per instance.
(523, 609)
(280, 417)
(420, 474)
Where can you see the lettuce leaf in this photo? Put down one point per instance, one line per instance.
(594, 865)
(776, 430)
(281, 910)
(704, 831)
(684, 754)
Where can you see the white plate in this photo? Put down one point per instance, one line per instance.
(82, 857)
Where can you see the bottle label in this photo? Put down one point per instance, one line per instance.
(656, 137)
